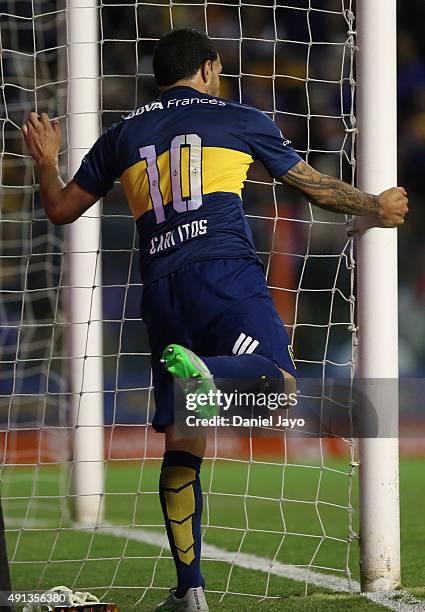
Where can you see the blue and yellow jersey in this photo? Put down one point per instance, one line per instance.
(182, 161)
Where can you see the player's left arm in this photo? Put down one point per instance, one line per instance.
(62, 203)
(332, 194)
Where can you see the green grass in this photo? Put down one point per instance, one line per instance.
(243, 512)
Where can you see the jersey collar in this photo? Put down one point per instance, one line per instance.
(181, 90)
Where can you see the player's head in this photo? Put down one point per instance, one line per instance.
(187, 55)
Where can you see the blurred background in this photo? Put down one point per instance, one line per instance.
(295, 62)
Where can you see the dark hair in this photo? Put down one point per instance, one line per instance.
(179, 54)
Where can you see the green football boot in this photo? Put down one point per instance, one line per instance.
(192, 375)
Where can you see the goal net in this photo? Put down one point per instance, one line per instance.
(279, 513)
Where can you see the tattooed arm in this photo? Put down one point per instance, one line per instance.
(336, 196)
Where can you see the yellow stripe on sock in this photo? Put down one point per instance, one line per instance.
(186, 557)
(180, 505)
(183, 536)
(176, 477)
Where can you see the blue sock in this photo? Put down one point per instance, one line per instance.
(247, 369)
(181, 501)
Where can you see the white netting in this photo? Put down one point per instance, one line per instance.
(278, 518)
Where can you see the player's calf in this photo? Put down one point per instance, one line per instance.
(248, 373)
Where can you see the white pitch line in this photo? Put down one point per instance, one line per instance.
(399, 601)
(244, 560)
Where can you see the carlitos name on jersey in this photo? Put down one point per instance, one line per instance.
(173, 104)
(179, 234)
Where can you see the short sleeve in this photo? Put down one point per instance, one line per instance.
(269, 145)
(98, 169)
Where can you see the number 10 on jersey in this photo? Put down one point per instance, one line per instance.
(193, 143)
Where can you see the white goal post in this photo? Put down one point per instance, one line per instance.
(377, 292)
(84, 239)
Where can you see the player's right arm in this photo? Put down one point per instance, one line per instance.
(332, 194)
(284, 164)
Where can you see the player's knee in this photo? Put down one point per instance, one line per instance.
(178, 437)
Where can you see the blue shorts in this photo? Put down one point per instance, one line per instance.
(213, 307)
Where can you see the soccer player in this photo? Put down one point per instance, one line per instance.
(182, 161)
